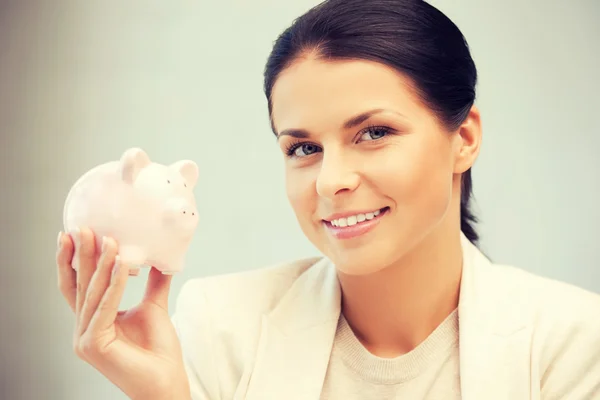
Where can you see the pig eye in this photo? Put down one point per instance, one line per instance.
(168, 181)
(185, 185)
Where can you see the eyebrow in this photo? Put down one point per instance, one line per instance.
(351, 123)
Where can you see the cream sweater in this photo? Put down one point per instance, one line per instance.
(430, 371)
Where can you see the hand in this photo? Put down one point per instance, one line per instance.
(138, 349)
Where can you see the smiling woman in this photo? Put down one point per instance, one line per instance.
(372, 105)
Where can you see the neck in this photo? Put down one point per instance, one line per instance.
(395, 309)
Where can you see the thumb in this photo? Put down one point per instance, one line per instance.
(157, 288)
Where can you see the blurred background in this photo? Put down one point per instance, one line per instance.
(82, 81)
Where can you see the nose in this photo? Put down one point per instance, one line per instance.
(184, 207)
(337, 175)
(189, 211)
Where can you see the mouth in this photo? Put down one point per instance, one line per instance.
(355, 225)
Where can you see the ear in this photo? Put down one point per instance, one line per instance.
(131, 163)
(189, 170)
(467, 142)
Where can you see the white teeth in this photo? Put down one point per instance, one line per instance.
(354, 219)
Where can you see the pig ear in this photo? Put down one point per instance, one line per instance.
(189, 170)
(132, 162)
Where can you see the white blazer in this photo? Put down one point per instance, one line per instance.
(267, 334)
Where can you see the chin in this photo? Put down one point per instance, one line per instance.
(374, 254)
(363, 261)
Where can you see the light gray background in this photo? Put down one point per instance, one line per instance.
(82, 81)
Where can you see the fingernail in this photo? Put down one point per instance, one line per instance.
(59, 240)
(103, 244)
(116, 266)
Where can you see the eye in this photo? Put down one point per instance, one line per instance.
(374, 133)
(168, 181)
(185, 185)
(302, 149)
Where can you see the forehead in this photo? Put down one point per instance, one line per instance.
(316, 93)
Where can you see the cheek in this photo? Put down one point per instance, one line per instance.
(419, 178)
(301, 192)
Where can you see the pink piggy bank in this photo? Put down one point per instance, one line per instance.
(148, 208)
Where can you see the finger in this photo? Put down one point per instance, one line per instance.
(99, 283)
(85, 257)
(157, 288)
(108, 308)
(67, 277)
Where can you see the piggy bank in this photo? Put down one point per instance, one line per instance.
(148, 208)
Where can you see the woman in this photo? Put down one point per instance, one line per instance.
(372, 106)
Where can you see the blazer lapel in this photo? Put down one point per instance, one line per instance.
(494, 335)
(296, 339)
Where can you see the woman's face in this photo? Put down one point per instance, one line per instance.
(370, 172)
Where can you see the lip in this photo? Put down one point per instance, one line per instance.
(349, 214)
(361, 228)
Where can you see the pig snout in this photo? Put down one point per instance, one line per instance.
(184, 207)
(182, 212)
(188, 210)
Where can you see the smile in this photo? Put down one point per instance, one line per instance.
(355, 225)
(355, 219)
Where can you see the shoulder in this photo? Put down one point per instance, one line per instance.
(518, 297)
(232, 305)
(547, 300)
(218, 321)
(236, 301)
(243, 293)
(564, 322)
